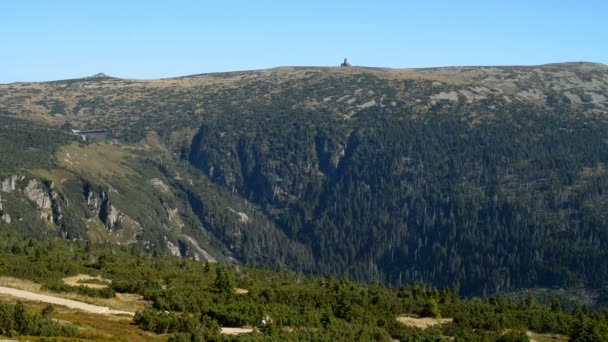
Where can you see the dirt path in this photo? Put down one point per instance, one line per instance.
(61, 301)
(101, 310)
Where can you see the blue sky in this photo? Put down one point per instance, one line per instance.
(48, 40)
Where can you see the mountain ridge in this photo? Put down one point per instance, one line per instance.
(299, 67)
(475, 176)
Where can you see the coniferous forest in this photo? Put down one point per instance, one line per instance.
(192, 300)
(339, 198)
(514, 201)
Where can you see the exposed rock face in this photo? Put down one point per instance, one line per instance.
(108, 214)
(92, 200)
(100, 205)
(113, 217)
(244, 218)
(45, 200)
(198, 248)
(159, 184)
(38, 195)
(52, 203)
(55, 207)
(173, 249)
(4, 216)
(8, 184)
(172, 213)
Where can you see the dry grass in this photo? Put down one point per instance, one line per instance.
(154, 141)
(403, 74)
(83, 280)
(236, 331)
(122, 301)
(20, 284)
(98, 160)
(91, 326)
(422, 323)
(106, 328)
(95, 326)
(535, 337)
(57, 176)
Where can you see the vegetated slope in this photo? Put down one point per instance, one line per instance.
(53, 185)
(486, 177)
(191, 301)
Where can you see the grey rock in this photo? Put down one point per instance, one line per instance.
(36, 194)
(8, 184)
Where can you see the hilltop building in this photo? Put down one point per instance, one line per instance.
(345, 63)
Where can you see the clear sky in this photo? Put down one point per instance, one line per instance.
(59, 39)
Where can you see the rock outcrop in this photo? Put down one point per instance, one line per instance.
(113, 218)
(4, 216)
(8, 184)
(42, 194)
(173, 249)
(99, 203)
(37, 194)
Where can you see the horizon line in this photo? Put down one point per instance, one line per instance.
(104, 75)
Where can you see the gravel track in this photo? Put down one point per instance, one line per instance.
(102, 310)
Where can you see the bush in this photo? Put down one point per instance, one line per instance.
(60, 286)
(48, 310)
(514, 336)
(431, 309)
(15, 321)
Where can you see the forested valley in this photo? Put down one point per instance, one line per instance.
(339, 198)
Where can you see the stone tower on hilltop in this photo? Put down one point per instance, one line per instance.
(345, 63)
